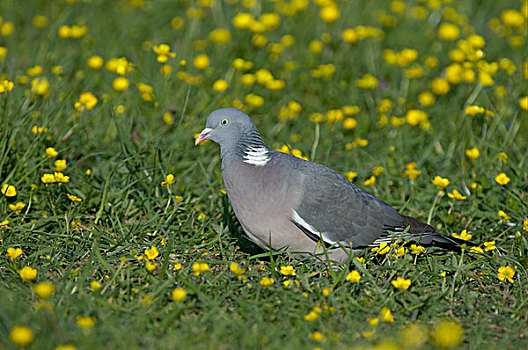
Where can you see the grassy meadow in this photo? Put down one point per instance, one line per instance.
(115, 231)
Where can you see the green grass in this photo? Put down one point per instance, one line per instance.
(125, 210)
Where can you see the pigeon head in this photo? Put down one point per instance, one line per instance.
(226, 126)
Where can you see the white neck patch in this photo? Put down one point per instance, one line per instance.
(256, 156)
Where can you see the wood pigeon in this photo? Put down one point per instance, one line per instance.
(286, 203)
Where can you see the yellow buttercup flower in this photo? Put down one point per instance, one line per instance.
(447, 334)
(146, 91)
(168, 118)
(330, 13)
(6, 85)
(334, 115)
(426, 98)
(456, 195)
(377, 171)
(201, 61)
(150, 265)
(349, 123)
(38, 129)
(502, 179)
(86, 101)
(275, 85)
(463, 235)
(243, 20)
(21, 335)
(503, 216)
(416, 249)
(287, 270)
(164, 52)
(8, 190)
(48, 178)
(401, 283)
(313, 314)
(382, 249)
(440, 86)
(27, 273)
(199, 268)
(253, 100)
(13, 253)
(44, 290)
(77, 31)
(60, 177)
(177, 23)
(410, 171)
(242, 65)
(353, 277)
(472, 153)
(60, 164)
(351, 175)
(416, 116)
(454, 73)
(85, 321)
(40, 86)
(267, 282)
(413, 336)
(51, 152)
(248, 79)
(523, 102)
(440, 182)
(368, 81)
(119, 65)
(485, 79)
(169, 180)
(40, 21)
(474, 110)
(220, 85)
(370, 182)
(34, 71)
(398, 252)
(95, 285)
(3, 53)
(178, 294)
(220, 36)
(476, 250)
(95, 62)
(489, 246)
(120, 84)
(151, 253)
(448, 32)
(350, 110)
(263, 76)
(386, 315)
(236, 269)
(270, 21)
(512, 18)
(317, 336)
(506, 273)
(349, 35)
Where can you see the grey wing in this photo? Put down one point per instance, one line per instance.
(333, 209)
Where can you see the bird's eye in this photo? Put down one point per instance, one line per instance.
(224, 122)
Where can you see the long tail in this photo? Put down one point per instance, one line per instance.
(428, 235)
(447, 241)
